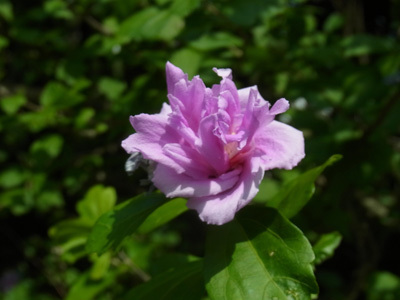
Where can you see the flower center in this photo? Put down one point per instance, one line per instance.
(231, 149)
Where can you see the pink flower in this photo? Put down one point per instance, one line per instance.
(212, 146)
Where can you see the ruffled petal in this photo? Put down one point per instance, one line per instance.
(173, 184)
(210, 145)
(174, 74)
(153, 133)
(193, 164)
(224, 73)
(221, 208)
(280, 106)
(282, 145)
(244, 95)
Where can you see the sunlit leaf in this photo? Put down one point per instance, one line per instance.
(12, 104)
(163, 214)
(97, 201)
(259, 255)
(86, 288)
(12, 177)
(100, 266)
(187, 59)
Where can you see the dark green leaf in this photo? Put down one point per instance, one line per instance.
(216, 40)
(114, 226)
(183, 8)
(326, 246)
(50, 144)
(383, 285)
(259, 255)
(182, 283)
(296, 193)
(163, 214)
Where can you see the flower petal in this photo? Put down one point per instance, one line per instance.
(221, 208)
(173, 184)
(282, 145)
(224, 73)
(193, 164)
(174, 74)
(153, 133)
(280, 106)
(211, 146)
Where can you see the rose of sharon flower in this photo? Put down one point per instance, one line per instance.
(212, 145)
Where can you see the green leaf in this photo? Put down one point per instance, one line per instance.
(69, 229)
(12, 177)
(111, 88)
(362, 44)
(216, 40)
(163, 214)
(58, 9)
(49, 199)
(131, 28)
(112, 227)
(187, 59)
(259, 255)
(85, 288)
(98, 200)
(333, 22)
(151, 24)
(6, 10)
(38, 120)
(326, 246)
(12, 104)
(164, 26)
(297, 192)
(175, 284)
(100, 266)
(70, 236)
(383, 285)
(50, 144)
(183, 8)
(3, 42)
(59, 96)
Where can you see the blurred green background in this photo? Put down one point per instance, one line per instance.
(72, 72)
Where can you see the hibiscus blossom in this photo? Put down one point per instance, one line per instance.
(213, 145)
